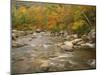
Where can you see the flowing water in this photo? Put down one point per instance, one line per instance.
(40, 54)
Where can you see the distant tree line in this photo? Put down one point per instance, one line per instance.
(78, 19)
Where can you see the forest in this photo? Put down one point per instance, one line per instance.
(54, 17)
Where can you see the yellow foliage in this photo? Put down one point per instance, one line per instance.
(22, 9)
(76, 25)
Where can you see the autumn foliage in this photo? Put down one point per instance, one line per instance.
(54, 17)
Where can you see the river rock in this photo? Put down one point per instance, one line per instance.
(16, 33)
(67, 46)
(92, 35)
(28, 32)
(88, 45)
(61, 33)
(72, 37)
(68, 43)
(75, 36)
(16, 44)
(13, 31)
(75, 41)
(80, 42)
(47, 33)
(13, 36)
(38, 30)
(34, 34)
(85, 38)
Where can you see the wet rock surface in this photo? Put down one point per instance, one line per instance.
(40, 52)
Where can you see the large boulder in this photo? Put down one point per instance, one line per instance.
(67, 46)
(78, 44)
(68, 43)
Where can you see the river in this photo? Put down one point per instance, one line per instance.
(40, 54)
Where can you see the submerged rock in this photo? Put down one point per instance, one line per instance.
(92, 63)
